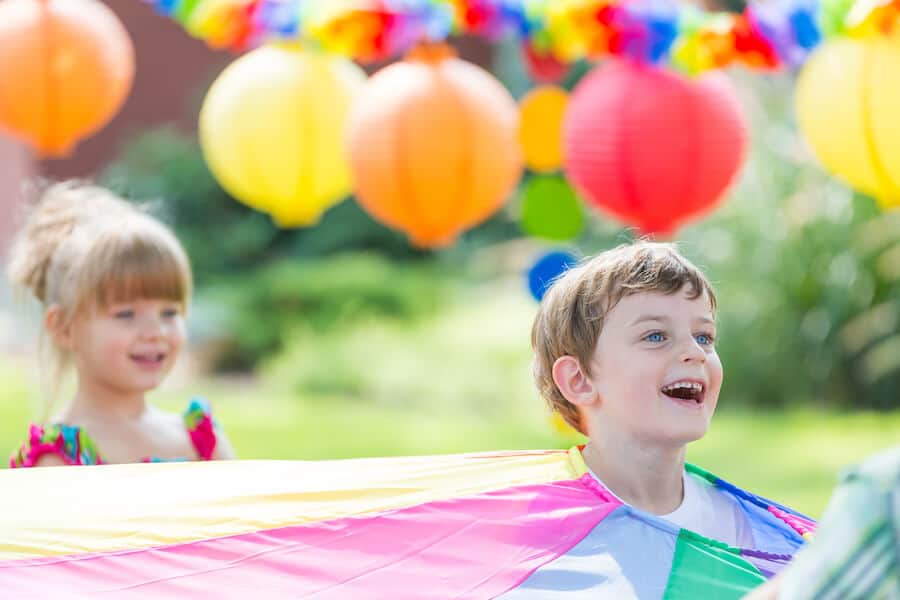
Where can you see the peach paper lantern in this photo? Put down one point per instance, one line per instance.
(66, 67)
(433, 145)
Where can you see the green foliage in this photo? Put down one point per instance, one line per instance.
(165, 168)
(322, 296)
(807, 273)
(246, 267)
(811, 314)
(473, 355)
(221, 235)
(797, 454)
(808, 277)
(793, 456)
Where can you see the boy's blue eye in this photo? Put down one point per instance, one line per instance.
(704, 339)
(170, 313)
(656, 336)
(124, 314)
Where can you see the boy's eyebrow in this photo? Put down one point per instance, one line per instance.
(643, 318)
(664, 319)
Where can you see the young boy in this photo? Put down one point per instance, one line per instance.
(625, 352)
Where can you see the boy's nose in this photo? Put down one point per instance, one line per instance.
(693, 352)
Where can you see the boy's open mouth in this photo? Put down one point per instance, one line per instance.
(690, 391)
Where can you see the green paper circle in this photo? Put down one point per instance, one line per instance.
(551, 209)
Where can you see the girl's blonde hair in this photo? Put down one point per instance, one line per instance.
(81, 248)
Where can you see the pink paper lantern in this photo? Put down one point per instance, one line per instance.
(650, 147)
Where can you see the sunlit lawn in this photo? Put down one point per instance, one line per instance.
(793, 458)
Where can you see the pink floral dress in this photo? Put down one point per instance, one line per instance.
(75, 447)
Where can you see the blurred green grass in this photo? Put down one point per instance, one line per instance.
(460, 382)
(791, 457)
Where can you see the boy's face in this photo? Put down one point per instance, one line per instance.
(655, 369)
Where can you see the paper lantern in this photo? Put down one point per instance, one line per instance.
(540, 129)
(847, 99)
(650, 147)
(66, 67)
(433, 146)
(551, 209)
(547, 269)
(542, 66)
(272, 129)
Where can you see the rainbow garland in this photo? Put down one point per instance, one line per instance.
(768, 35)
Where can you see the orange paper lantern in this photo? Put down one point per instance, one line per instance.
(66, 67)
(433, 144)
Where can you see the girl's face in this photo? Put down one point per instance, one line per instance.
(128, 347)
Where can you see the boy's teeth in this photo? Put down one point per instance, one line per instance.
(683, 385)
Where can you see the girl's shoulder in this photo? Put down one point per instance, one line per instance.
(67, 442)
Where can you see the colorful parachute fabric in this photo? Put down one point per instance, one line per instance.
(505, 525)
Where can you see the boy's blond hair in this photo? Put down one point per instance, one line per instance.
(573, 310)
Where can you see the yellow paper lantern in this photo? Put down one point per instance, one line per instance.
(272, 131)
(540, 128)
(847, 102)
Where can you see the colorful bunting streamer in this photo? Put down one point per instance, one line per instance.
(767, 35)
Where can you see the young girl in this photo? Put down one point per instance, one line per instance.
(114, 283)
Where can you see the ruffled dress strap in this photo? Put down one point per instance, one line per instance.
(200, 426)
(69, 443)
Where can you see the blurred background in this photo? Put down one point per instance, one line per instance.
(343, 340)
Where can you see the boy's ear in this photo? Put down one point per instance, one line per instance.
(57, 328)
(572, 381)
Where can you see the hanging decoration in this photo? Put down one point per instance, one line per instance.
(433, 146)
(767, 35)
(66, 68)
(684, 140)
(550, 208)
(272, 130)
(855, 133)
(547, 269)
(542, 66)
(650, 147)
(540, 129)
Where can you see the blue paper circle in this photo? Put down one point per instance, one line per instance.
(546, 270)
